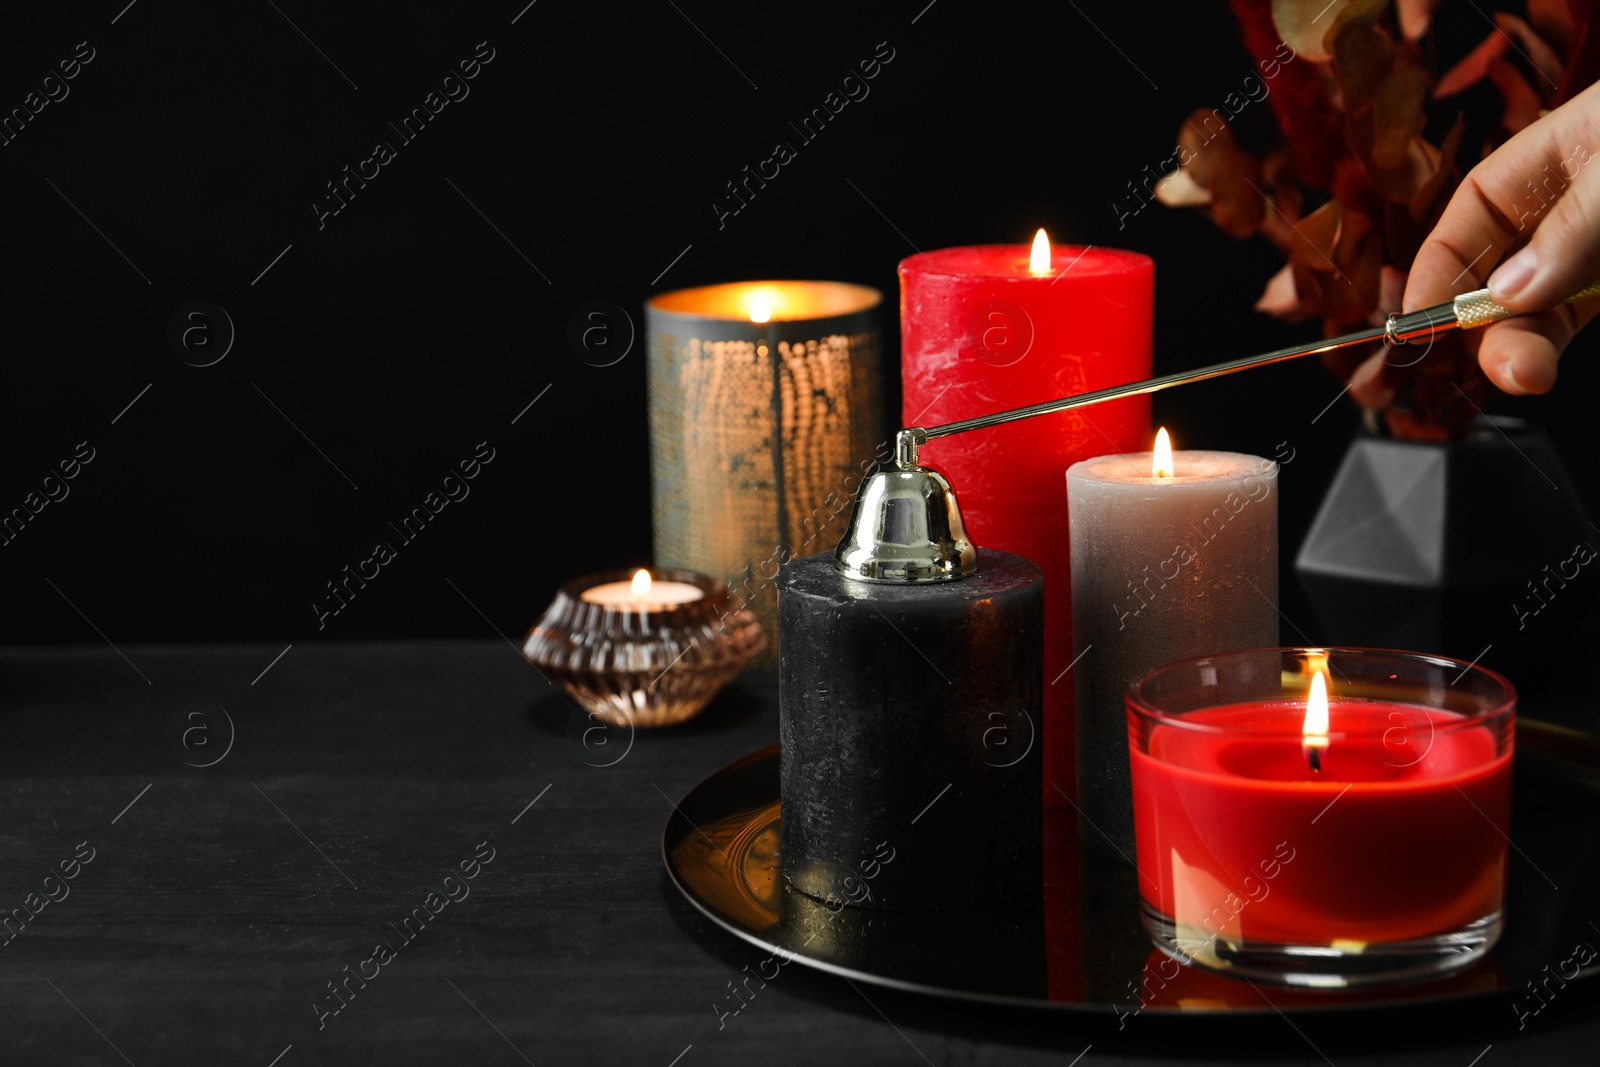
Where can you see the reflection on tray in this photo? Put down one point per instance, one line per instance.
(1166, 984)
(998, 949)
(735, 859)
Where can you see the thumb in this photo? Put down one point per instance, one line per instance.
(1564, 254)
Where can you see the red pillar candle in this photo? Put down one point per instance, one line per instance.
(983, 330)
(1276, 842)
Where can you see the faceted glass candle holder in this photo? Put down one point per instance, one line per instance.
(639, 665)
(1369, 847)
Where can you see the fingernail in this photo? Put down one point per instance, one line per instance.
(1508, 379)
(1514, 274)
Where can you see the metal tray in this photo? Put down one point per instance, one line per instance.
(1080, 947)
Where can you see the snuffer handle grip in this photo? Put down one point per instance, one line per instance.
(1469, 311)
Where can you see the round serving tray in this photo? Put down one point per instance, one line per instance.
(1079, 946)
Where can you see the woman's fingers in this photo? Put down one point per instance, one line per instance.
(1520, 355)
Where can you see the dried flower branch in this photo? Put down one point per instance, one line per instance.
(1356, 186)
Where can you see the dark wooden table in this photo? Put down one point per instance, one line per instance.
(220, 904)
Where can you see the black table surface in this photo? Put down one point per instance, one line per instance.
(222, 902)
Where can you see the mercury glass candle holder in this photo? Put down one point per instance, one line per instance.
(639, 664)
(766, 411)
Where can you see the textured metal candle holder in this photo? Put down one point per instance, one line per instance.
(758, 430)
(643, 668)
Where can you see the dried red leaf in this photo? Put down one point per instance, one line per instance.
(1352, 186)
(1336, 257)
(1367, 385)
(1302, 25)
(1302, 95)
(1228, 177)
(1391, 291)
(1237, 202)
(1532, 47)
(1307, 285)
(1397, 115)
(1583, 61)
(1362, 12)
(1203, 139)
(1407, 224)
(1473, 68)
(1523, 106)
(1278, 170)
(1280, 299)
(1362, 54)
(1436, 396)
(1278, 230)
(1318, 232)
(1553, 20)
(1179, 189)
(1433, 193)
(1415, 17)
(1385, 89)
(1358, 264)
(1398, 183)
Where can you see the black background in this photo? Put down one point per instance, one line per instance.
(410, 327)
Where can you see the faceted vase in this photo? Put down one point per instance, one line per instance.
(1454, 548)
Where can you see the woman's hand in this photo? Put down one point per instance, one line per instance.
(1539, 188)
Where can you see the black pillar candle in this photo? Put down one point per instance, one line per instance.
(909, 719)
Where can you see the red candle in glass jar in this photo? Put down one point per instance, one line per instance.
(1377, 822)
(992, 327)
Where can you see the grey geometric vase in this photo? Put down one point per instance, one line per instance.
(1453, 548)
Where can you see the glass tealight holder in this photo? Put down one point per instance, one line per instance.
(647, 663)
(1369, 846)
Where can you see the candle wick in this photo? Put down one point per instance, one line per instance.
(1314, 757)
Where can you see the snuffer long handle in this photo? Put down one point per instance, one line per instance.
(1469, 311)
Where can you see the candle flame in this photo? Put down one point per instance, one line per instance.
(1161, 458)
(760, 309)
(641, 584)
(1315, 730)
(1039, 257)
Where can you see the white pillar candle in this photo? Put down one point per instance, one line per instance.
(1163, 569)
